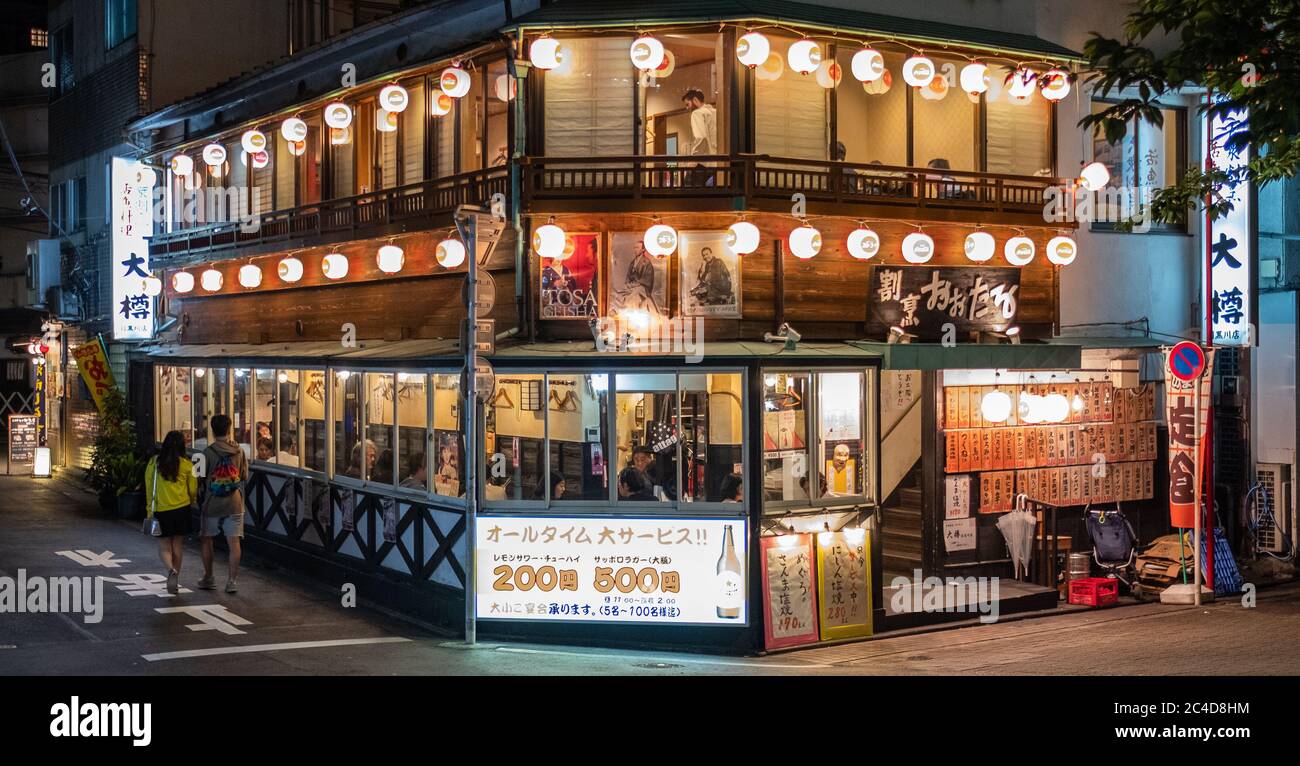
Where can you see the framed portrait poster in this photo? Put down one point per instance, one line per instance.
(570, 286)
(710, 275)
(638, 281)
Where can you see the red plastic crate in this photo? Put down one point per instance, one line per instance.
(1094, 591)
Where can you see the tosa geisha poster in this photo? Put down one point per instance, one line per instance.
(571, 285)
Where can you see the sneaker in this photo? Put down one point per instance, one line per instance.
(231, 587)
(207, 583)
(173, 581)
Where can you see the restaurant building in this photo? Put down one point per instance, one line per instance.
(793, 263)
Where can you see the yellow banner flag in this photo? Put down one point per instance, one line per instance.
(92, 362)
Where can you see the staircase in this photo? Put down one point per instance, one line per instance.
(900, 540)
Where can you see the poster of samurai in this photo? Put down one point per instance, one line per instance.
(921, 300)
(571, 285)
(638, 281)
(710, 275)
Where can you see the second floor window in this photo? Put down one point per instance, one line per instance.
(1147, 158)
(119, 22)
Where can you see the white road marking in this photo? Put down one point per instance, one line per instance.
(270, 647)
(210, 617)
(758, 664)
(88, 558)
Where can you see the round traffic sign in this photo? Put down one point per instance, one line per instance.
(1187, 361)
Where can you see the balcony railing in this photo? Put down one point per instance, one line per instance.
(655, 179)
(379, 212)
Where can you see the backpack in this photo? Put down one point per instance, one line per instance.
(223, 479)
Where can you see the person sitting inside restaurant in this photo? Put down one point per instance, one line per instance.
(557, 488)
(733, 488)
(633, 484)
(643, 459)
(417, 473)
(265, 449)
(354, 465)
(383, 468)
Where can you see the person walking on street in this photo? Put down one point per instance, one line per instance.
(171, 489)
(223, 504)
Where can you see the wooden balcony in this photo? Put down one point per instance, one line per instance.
(728, 182)
(423, 205)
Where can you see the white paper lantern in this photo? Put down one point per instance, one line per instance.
(152, 286)
(881, 86)
(182, 165)
(260, 159)
(390, 259)
(450, 253)
(867, 65)
(753, 49)
(548, 241)
(805, 242)
(805, 55)
(289, 269)
(974, 78)
(1056, 408)
(182, 282)
(1094, 176)
(455, 81)
(200, 371)
(863, 243)
(918, 71)
(293, 129)
(505, 87)
(829, 74)
(772, 69)
(250, 276)
(334, 266)
(214, 155)
(299, 148)
(666, 67)
(935, 90)
(1030, 409)
(660, 240)
(918, 247)
(742, 237)
(1019, 251)
(211, 280)
(394, 98)
(441, 104)
(544, 53)
(338, 115)
(979, 246)
(995, 407)
(1056, 84)
(1061, 250)
(253, 141)
(647, 53)
(1021, 84)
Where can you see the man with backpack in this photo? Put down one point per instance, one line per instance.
(223, 504)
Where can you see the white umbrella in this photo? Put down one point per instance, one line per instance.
(1017, 529)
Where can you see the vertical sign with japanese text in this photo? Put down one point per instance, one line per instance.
(39, 398)
(844, 583)
(1187, 405)
(92, 363)
(132, 209)
(789, 591)
(1230, 244)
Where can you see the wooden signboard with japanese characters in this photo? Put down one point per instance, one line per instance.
(921, 300)
(789, 591)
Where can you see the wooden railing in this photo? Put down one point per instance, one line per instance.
(342, 218)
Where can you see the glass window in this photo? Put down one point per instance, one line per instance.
(945, 127)
(647, 436)
(363, 134)
(119, 21)
(264, 382)
(470, 115)
(1148, 155)
(241, 416)
(871, 128)
(576, 411)
(342, 160)
(310, 164)
(786, 404)
(790, 112)
(672, 122)
(288, 440)
(182, 395)
(209, 400)
(412, 430)
(589, 110)
(712, 428)
(443, 139)
(166, 397)
(285, 176)
(841, 446)
(263, 183)
(379, 427)
(386, 138)
(501, 93)
(1019, 134)
(448, 442)
(311, 406)
(515, 435)
(348, 447)
(413, 135)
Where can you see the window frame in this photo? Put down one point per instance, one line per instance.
(117, 12)
(1180, 165)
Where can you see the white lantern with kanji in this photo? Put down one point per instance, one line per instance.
(289, 269)
(743, 237)
(979, 246)
(647, 53)
(548, 241)
(1061, 250)
(804, 55)
(863, 243)
(544, 53)
(394, 98)
(752, 49)
(250, 275)
(334, 266)
(450, 253)
(660, 240)
(390, 259)
(805, 242)
(918, 247)
(455, 82)
(867, 65)
(1019, 250)
(918, 71)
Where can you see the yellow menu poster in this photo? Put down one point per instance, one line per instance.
(844, 583)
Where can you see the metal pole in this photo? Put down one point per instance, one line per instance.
(469, 227)
(1196, 515)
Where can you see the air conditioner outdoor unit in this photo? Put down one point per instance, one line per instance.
(1275, 497)
(42, 270)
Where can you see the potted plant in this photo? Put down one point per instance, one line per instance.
(117, 467)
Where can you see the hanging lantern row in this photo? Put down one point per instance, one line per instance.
(996, 407)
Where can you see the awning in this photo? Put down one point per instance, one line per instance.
(571, 13)
(318, 352)
(976, 356)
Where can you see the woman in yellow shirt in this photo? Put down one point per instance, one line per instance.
(171, 489)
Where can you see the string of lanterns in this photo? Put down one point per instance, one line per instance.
(1030, 409)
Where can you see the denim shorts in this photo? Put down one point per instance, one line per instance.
(223, 526)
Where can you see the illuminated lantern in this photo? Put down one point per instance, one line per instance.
(450, 253)
(995, 407)
(805, 242)
(772, 69)
(293, 129)
(334, 266)
(647, 53)
(182, 281)
(262, 159)
(390, 259)
(1020, 86)
(879, 87)
(918, 71)
(505, 87)
(1094, 176)
(742, 237)
(867, 65)
(1019, 251)
(660, 240)
(918, 247)
(829, 74)
(548, 241)
(182, 165)
(455, 81)
(935, 90)
(1061, 250)
(863, 243)
(753, 49)
(385, 121)
(666, 67)
(253, 141)
(394, 98)
(200, 371)
(250, 276)
(152, 286)
(337, 115)
(1056, 84)
(1031, 409)
(338, 137)
(289, 269)
(979, 246)
(804, 55)
(211, 280)
(1056, 408)
(441, 105)
(214, 155)
(974, 78)
(544, 53)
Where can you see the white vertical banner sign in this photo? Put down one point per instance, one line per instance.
(1228, 268)
(132, 196)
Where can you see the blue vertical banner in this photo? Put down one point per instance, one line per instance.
(1228, 269)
